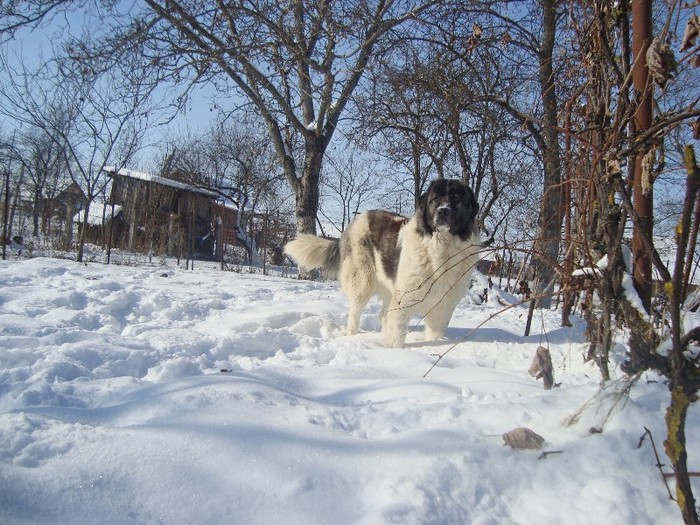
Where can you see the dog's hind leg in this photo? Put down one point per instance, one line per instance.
(359, 287)
(358, 300)
(385, 296)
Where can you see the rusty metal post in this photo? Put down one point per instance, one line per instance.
(643, 203)
(6, 215)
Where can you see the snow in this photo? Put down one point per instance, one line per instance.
(99, 213)
(160, 395)
(149, 177)
(629, 291)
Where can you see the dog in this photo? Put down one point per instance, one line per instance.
(419, 265)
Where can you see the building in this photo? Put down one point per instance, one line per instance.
(164, 216)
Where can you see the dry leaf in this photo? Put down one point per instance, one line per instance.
(613, 168)
(523, 439)
(542, 367)
(648, 171)
(692, 29)
(660, 61)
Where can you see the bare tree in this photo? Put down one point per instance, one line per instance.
(44, 165)
(296, 62)
(31, 14)
(232, 159)
(12, 183)
(527, 40)
(94, 119)
(401, 119)
(603, 198)
(349, 182)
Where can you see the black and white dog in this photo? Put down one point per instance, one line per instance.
(420, 265)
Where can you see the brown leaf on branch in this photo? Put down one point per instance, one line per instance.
(692, 28)
(660, 61)
(542, 367)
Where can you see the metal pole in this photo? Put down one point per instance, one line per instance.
(643, 204)
(6, 215)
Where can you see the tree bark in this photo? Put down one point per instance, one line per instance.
(684, 373)
(676, 451)
(546, 248)
(308, 188)
(642, 191)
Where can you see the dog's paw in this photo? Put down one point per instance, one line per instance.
(393, 340)
(430, 335)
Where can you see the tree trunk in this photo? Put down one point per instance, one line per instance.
(676, 451)
(307, 188)
(6, 215)
(83, 231)
(684, 372)
(35, 214)
(68, 234)
(642, 189)
(546, 248)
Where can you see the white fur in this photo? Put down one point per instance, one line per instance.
(433, 275)
(311, 252)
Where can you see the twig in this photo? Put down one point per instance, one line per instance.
(549, 452)
(489, 318)
(659, 465)
(616, 390)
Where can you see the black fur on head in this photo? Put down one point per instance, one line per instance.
(448, 205)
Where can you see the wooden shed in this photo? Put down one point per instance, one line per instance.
(229, 223)
(164, 216)
(104, 221)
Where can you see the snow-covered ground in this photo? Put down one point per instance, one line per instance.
(160, 395)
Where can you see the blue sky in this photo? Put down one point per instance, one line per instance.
(32, 46)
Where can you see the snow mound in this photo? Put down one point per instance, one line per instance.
(138, 395)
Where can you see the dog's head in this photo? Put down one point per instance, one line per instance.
(448, 205)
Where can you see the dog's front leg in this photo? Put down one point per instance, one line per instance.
(395, 325)
(436, 322)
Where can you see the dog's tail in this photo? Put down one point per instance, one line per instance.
(311, 252)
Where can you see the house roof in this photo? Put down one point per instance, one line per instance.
(149, 177)
(97, 211)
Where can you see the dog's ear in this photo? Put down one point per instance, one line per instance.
(422, 212)
(474, 204)
(474, 212)
(422, 202)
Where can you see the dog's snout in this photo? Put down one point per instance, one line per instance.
(444, 213)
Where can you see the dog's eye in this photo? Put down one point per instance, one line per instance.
(456, 196)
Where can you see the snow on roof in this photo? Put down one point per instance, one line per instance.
(142, 175)
(98, 210)
(229, 205)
